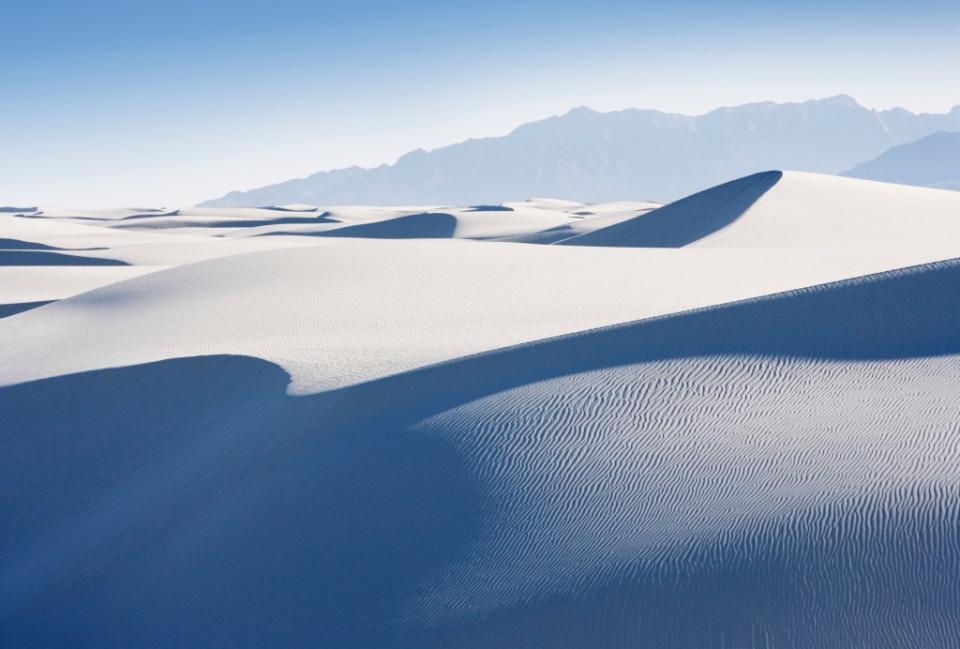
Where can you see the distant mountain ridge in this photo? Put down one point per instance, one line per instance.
(933, 161)
(630, 154)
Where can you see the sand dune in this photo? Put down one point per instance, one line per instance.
(506, 221)
(103, 214)
(346, 311)
(48, 283)
(727, 422)
(641, 483)
(12, 209)
(153, 239)
(51, 258)
(435, 222)
(294, 207)
(784, 210)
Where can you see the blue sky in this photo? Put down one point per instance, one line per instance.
(168, 103)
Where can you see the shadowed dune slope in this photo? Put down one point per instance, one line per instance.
(428, 225)
(780, 472)
(686, 220)
(19, 244)
(793, 210)
(206, 222)
(345, 311)
(35, 257)
(19, 307)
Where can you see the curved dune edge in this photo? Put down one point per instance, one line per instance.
(881, 316)
(750, 470)
(687, 220)
(10, 309)
(791, 210)
(341, 313)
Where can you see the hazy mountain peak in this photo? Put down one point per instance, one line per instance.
(840, 100)
(593, 156)
(582, 110)
(413, 155)
(933, 161)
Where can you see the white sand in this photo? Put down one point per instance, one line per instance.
(251, 437)
(338, 311)
(807, 210)
(793, 210)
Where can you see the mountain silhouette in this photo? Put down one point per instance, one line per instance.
(638, 154)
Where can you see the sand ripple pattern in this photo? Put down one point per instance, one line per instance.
(774, 502)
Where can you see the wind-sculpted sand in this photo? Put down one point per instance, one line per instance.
(700, 435)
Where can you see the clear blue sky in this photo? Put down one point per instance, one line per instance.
(171, 102)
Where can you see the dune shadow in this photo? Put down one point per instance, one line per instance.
(489, 208)
(686, 220)
(149, 213)
(146, 223)
(35, 257)
(19, 244)
(426, 225)
(8, 244)
(907, 313)
(282, 208)
(7, 310)
(135, 214)
(192, 501)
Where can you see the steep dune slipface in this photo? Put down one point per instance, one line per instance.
(426, 225)
(793, 210)
(780, 471)
(813, 211)
(687, 220)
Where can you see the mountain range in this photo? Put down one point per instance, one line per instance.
(933, 161)
(637, 154)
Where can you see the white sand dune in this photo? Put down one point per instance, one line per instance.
(47, 283)
(593, 218)
(714, 426)
(506, 221)
(382, 223)
(349, 311)
(616, 207)
(102, 214)
(787, 210)
(555, 204)
(48, 259)
(153, 239)
(294, 207)
(752, 469)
